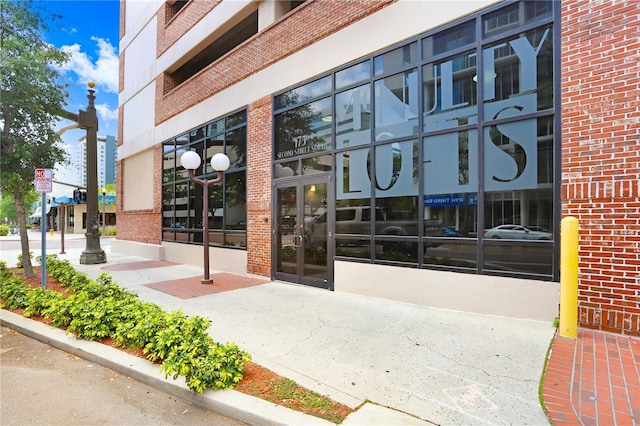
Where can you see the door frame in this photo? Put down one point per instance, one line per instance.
(300, 182)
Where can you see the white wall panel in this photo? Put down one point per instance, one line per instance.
(138, 181)
(138, 122)
(139, 62)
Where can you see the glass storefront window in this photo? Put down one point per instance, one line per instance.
(450, 163)
(451, 255)
(182, 140)
(397, 216)
(449, 93)
(168, 167)
(396, 169)
(396, 106)
(168, 204)
(182, 218)
(354, 217)
(396, 59)
(236, 119)
(511, 156)
(214, 146)
(512, 214)
(518, 256)
(287, 169)
(353, 117)
(424, 180)
(197, 134)
(519, 75)
(181, 201)
(318, 164)
(353, 179)
(235, 205)
(303, 130)
(513, 16)
(353, 75)
(215, 128)
(236, 147)
(448, 40)
(396, 250)
(358, 248)
(302, 94)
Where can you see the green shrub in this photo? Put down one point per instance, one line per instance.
(221, 367)
(98, 309)
(138, 325)
(4, 230)
(14, 292)
(62, 271)
(39, 300)
(5, 273)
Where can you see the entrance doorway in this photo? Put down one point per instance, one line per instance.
(300, 247)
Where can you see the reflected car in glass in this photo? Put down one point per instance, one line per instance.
(518, 232)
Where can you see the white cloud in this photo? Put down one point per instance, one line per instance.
(106, 113)
(104, 72)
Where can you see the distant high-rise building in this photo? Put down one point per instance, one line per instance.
(107, 156)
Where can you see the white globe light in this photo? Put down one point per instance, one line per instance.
(220, 162)
(190, 160)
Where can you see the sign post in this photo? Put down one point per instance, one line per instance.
(44, 184)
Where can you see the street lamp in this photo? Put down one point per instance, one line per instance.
(104, 195)
(88, 120)
(191, 160)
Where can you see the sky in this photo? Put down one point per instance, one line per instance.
(89, 31)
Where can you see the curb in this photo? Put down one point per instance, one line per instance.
(234, 404)
(231, 403)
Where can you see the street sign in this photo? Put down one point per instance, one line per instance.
(44, 180)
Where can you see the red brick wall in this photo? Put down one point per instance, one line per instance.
(259, 154)
(143, 226)
(182, 22)
(309, 23)
(601, 156)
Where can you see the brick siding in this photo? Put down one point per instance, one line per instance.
(259, 154)
(302, 28)
(601, 157)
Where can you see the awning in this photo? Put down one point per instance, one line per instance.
(38, 211)
(109, 199)
(65, 197)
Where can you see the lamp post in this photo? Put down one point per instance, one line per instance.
(219, 162)
(88, 120)
(104, 213)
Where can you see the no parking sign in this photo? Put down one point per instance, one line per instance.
(44, 180)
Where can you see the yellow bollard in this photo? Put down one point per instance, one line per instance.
(569, 277)
(51, 232)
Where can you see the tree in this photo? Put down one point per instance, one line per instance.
(8, 207)
(31, 96)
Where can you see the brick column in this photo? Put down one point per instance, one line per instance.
(601, 157)
(259, 154)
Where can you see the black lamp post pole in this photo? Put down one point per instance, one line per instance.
(93, 253)
(104, 213)
(205, 219)
(88, 120)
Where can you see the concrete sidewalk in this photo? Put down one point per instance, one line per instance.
(440, 366)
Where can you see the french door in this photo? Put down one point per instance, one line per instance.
(301, 251)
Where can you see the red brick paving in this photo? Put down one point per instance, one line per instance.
(593, 380)
(186, 288)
